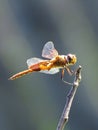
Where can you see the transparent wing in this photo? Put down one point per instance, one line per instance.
(33, 61)
(49, 51)
(52, 71)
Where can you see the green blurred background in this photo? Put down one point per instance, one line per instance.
(36, 101)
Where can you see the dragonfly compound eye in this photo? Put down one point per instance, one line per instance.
(71, 59)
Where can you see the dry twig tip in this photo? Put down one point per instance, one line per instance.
(69, 99)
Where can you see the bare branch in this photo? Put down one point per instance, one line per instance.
(65, 114)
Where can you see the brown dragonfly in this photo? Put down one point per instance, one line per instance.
(50, 66)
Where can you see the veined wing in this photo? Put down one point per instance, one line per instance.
(51, 71)
(33, 61)
(49, 51)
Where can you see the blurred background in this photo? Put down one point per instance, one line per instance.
(36, 101)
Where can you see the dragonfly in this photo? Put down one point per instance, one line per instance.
(51, 65)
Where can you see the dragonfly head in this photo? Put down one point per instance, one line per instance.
(71, 59)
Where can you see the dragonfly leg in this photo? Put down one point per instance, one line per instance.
(62, 77)
(70, 72)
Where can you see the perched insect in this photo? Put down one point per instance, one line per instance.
(50, 66)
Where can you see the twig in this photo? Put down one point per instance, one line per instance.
(65, 114)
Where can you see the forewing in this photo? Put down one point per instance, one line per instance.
(33, 61)
(49, 51)
(52, 71)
